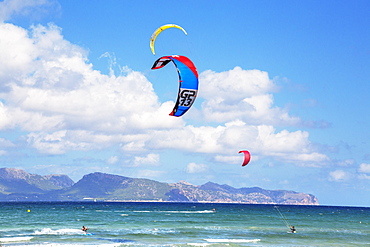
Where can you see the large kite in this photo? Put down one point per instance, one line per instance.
(188, 79)
(247, 157)
(159, 30)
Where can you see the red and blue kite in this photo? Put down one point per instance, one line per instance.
(188, 79)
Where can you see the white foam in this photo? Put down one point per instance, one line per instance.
(69, 245)
(198, 244)
(191, 212)
(179, 212)
(48, 231)
(15, 239)
(232, 240)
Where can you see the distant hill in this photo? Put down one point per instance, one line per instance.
(18, 185)
(101, 186)
(19, 181)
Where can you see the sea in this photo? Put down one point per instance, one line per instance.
(110, 224)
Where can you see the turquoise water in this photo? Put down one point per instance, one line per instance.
(181, 224)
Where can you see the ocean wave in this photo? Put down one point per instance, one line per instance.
(199, 244)
(15, 239)
(178, 212)
(191, 212)
(48, 231)
(68, 245)
(153, 231)
(232, 240)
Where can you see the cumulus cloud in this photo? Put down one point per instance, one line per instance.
(235, 85)
(347, 162)
(53, 81)
(150, 159)
(229, 159)
(6, 143)
(60, 142)
(196, 168)
(364, 168)
(338, 176)
(228, 139)
(112, 160)
(50, 91)
(241, 94)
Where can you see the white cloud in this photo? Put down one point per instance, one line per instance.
(233, 136)
(196, 168)
(31, 8)
(241, 94)
(53, 89)
(56, 88)
(237, 158)
(150, 174)
(5, 120)
(235, 85)
(112, 160)
(338, 176)
(363, 176)
(229, 159)
(345, 163)
(60, 142)
(150, 159)
(17, 52)
(365, 168)
(6, 143)
(50, 91)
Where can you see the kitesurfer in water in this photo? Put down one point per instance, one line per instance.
(292, 229)
(84, 229)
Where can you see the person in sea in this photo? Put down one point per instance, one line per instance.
(292, 229)
(84, 229)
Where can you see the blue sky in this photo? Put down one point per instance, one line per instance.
(286, 80)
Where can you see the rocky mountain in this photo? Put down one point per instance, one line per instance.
(18, 185)
(101, 186)
(212, 192)
(19, 181)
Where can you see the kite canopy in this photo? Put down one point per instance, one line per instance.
(247, 157)
(159, 30)
(188, 82)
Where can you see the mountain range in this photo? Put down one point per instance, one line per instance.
(19, 185)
